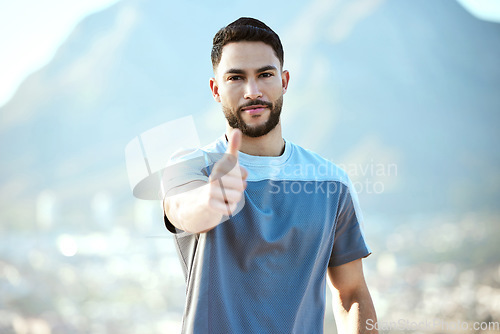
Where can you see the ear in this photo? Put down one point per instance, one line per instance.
(215, 89)
(285, 78)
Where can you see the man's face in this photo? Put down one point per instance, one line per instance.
(250, 85)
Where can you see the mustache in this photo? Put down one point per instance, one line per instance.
(256, 102)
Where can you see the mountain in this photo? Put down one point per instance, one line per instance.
(402, 94)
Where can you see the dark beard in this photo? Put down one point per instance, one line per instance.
(236, 122)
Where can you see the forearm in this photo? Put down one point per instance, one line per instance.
(189, 210)
(355, 313)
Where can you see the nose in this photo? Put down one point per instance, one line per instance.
(252, 90)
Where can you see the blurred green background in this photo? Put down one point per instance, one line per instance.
(404, 95)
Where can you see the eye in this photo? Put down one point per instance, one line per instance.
(266, 75)
(234, 78)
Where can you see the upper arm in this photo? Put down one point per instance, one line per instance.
(351, 300)
(347, 278)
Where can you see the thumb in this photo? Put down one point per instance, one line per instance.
(234, 143)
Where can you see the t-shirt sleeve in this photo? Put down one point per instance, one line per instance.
(349, 242)
(183, 167)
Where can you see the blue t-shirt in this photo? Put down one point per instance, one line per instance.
(263, 270)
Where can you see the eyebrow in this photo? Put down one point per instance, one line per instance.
(240, 71)
(234, 71)
(267, 68)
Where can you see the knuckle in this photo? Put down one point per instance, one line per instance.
(213, 191)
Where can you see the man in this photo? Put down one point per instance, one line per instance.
(259, 229)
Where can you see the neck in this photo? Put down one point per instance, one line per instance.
(271, 144)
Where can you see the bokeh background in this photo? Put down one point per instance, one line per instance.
(403, 94)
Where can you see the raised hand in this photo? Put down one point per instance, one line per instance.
(227, 181)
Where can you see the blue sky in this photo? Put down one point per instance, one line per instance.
(31, 31)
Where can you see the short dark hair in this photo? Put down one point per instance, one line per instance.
(245, 29)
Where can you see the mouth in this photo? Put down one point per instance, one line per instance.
(255, 109)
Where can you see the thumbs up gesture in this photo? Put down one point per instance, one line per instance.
(227, 181)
